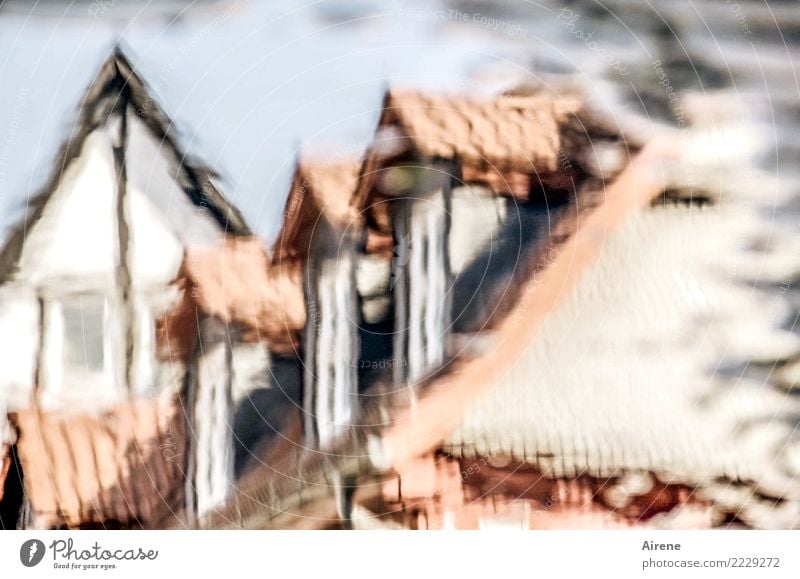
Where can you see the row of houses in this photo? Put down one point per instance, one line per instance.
(552, 311)
(502, 314)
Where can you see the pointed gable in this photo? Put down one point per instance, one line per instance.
(121, 138)
(321, 193)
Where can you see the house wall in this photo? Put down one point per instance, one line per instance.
(71, 254)
(68, 297)
(461, 254)
(153, 174)
(492, 240)
(454, 275)
(267, 399)
(497, 492)
(73, 247)
(19, 340)
(97, 271)
(162, 222)
(241, 401)
(212, 422)
(422, 273)
(477, 216)
(331, 342)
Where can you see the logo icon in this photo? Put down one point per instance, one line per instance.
(32, 552)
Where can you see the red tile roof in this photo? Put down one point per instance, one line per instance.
(120, 467)
(237, 283)
(321, 191)
(508, 143)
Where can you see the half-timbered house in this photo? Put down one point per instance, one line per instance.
(132, 309)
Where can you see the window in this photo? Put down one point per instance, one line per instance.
(83, 334)
(84, 350)
(84, 347)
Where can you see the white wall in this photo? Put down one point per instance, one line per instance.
(73, 251)
(476, 217)
(19, 341)
(152, 173)
(73, 246)
(427, 324)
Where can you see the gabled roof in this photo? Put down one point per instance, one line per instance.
(116, 87)
(321, 192)
(520, 132)
(238, 284)
(508, 143)
(118, 468)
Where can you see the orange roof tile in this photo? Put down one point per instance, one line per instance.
(237, 283)
(120, 467)
(521, 133)
(508, 143)
(321, 190)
